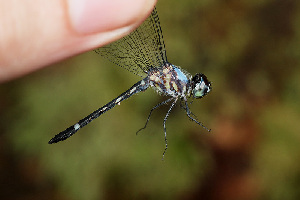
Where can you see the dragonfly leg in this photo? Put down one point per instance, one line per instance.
(185, 108)
(157, 106)
(189, 113)
(164, 124)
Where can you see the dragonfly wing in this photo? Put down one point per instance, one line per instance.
(139, 51)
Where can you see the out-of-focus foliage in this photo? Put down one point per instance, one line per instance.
(249, 49)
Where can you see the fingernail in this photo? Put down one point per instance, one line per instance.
(94, 16)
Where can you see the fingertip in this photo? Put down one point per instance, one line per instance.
(95, 16)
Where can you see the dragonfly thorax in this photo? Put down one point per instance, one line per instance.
(170, 80)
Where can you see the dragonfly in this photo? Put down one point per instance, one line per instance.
(143, 53)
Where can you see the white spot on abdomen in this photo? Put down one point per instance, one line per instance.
(103, 109)
(132, 90)
(118, 100)
(76, 127)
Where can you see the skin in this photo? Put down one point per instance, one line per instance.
(36, 33)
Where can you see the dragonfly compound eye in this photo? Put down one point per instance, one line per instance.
(201, 86)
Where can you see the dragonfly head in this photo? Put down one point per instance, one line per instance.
(200, 86)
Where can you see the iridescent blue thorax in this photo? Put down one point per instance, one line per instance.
(170, 80)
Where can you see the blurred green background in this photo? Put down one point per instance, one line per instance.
(249, 50)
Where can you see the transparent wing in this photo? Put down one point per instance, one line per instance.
(139, 51)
